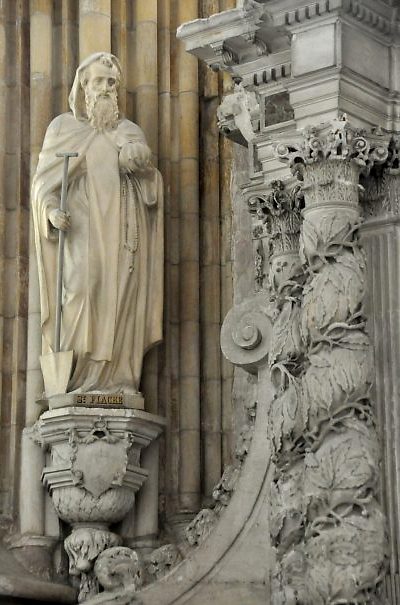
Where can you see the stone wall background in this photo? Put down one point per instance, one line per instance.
(174, 101)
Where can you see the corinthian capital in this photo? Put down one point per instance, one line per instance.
(337, 140)
(277, 216)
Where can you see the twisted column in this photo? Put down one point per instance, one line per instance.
(326, 522)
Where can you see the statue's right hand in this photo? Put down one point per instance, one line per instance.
(59, 219)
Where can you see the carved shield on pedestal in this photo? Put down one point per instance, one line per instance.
(100, 464)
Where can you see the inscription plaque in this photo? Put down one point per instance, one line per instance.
(99, 399)
(117, 400)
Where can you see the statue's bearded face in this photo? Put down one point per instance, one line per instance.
(100, 86)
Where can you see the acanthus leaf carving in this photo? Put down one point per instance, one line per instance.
(337, 141)
(335, 376)
(335, 296)
(285, 421)
(343, 472)
(333, 460)
(286, 341)
(287, 515)
(277, 218)
(83, 546)
(381, 189)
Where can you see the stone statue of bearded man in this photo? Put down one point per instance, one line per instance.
(113, 261)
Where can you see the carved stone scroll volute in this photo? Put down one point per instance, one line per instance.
(327, 524)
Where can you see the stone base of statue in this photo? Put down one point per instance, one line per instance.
(94, 474)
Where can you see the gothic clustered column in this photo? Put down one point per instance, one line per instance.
(326, 523)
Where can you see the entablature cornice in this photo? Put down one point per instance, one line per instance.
(244, 41)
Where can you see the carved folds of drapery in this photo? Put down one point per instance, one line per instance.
(326, 522)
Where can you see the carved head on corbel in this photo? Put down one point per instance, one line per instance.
(239, 111)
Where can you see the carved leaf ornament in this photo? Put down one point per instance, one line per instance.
(286, 343)
(326, 523)
(334, 378)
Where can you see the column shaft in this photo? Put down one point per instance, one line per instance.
(94, 27)
(326, 448)
(164, 164)
(381, 240)
(189, 471)
(210, 275)
(146, 76)
(41, 113)
(227, 370)
(119, 43)
(173, 277)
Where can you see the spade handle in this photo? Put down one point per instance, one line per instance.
(61, 242)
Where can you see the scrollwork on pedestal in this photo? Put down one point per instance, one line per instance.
(245, 333)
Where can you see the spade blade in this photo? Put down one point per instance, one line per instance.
(56, 370)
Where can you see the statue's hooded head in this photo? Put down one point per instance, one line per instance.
(109, 64)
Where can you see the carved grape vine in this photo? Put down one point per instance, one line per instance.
(326, 523)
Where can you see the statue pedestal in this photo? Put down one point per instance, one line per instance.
(93, 474)
(95, 456)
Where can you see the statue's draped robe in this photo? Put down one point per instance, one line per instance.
(113, 262)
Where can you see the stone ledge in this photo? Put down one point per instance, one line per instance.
(16, 583)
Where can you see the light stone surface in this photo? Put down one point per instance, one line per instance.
(32, 93)
(113, 257)
(16, 582)
(217, 569)
(93, 475)
(364, 30)
(331, 189)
